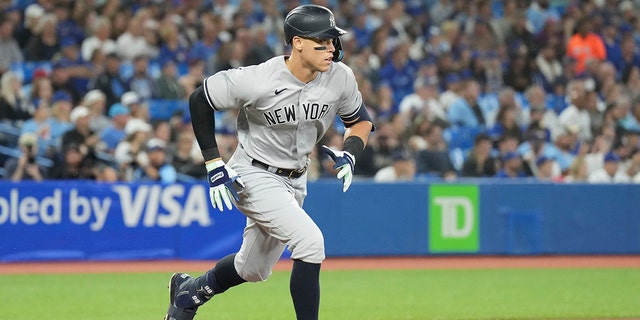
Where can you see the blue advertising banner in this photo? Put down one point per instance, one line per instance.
(69, 220)
(87, 220)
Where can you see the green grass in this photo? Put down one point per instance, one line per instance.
(353, 295)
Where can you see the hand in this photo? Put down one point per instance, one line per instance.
(222, 182)
(344, 164)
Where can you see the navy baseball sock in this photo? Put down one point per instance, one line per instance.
(225, 275)
(305, 289)
(199, 290)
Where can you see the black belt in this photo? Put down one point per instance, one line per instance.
(289, 173)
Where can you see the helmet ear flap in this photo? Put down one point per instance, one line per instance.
(338, 54)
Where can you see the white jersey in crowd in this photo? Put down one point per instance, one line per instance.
(281, 118)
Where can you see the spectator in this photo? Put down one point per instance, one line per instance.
(61, 82)
(100, 39)
(73, 164)
(539, 12)
(132, 43)
(399, 74)
(541, 110)
(511, 166)
(14, 107)
(96, 101)
(194, 76)
(109, 81)
(41, 91)
(440, 11)
(506, 120)
(209, 41)
(60, 121)
(518, 74)
(632, 165)
(519, 39)
(136, 104)
(466, 111)
(260, 50)
(578, 171)
(8, 45)
(44, 44)
(230, 55)
(610, 173)
(130, 153)
(87, 140)
(435, 160)
(545, 169)
(611, 41)
(536, 145)
(167, 86)
(629, 57)
(576, 114)
(115, 132)
(157, 168)
(184, 160)
(424, 101)
(32, 15)
(78, 70)
(548, 66)
(141, 82)
(452, 91)
(402, 169)
(25, 167)
(68, 26)
(479, 162)
(584, 45)
(172, 48)
(631, 121)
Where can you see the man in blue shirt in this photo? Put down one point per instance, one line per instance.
(158, 168)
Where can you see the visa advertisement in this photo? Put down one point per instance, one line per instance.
(88, 220)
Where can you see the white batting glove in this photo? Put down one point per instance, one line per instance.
(345, 162)
(222, 184)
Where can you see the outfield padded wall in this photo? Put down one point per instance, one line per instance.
(94, 221)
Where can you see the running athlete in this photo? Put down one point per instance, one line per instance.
(286, 105)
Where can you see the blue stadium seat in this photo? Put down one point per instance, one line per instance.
(160, 109)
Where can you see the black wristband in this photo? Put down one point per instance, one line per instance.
(210, 154)
(353, 145)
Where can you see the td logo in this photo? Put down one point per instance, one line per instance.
(453, 218)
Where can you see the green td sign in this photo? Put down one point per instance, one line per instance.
(453, 218)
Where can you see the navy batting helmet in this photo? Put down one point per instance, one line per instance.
(313, 21)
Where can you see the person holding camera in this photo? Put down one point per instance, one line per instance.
(25, 167)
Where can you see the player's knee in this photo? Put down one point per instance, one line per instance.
(310, 248)
(255, 274)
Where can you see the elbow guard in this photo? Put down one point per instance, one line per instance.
(359, 115)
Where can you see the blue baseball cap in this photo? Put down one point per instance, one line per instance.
(60, 95)
(611, 157)
(452, 77)
(542, 159)
(117, 109)
(510, 155)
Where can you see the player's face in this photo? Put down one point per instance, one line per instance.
(318, 53)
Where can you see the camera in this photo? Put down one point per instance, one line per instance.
(31, 158)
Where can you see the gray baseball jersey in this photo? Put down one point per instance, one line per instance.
(281, 118)
(280, 121)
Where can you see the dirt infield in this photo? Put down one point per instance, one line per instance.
(466, 262)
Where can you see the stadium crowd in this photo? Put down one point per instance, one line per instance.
(548, 90)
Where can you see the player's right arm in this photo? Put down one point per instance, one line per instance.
(222, 178)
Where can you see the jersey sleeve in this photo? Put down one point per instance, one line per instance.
(228, 89)
(350, 109)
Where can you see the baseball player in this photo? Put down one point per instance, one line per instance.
(286, 105)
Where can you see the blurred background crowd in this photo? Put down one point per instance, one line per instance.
(538, 89)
